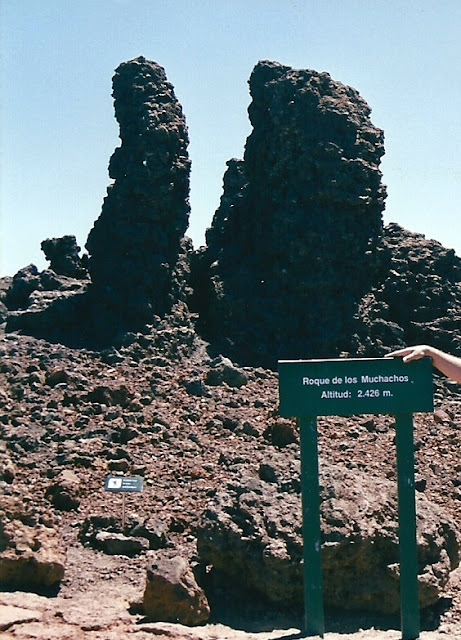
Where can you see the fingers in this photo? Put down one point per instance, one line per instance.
(414, 355)
(409, 353)
(400, 352)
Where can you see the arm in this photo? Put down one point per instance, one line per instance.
(444, 362)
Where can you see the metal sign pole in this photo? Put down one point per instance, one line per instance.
(123, 513)
(409, 604)
(313, 583)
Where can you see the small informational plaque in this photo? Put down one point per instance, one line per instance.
(347, 387)
(123, 483)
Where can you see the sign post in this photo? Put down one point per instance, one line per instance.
(409, 607)
(313, 581)
(123, 485)
(311, 388)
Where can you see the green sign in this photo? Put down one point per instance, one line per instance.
(311, 388)
(346, 387)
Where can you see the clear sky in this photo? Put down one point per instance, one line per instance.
(58, 129)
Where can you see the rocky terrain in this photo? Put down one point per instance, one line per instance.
(71, 417)
(146, 359)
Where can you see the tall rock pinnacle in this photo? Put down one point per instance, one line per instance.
(135, 244)
(291, 249)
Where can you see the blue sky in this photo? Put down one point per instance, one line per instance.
(58, 129)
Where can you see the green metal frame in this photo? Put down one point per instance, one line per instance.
(422, 398)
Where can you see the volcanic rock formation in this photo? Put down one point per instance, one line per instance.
(63, 254)
(297, 262)
(135, 244)
(416, 297)
(291, 249)
(138, 252)
(32, 555)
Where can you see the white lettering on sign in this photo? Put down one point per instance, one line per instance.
(316, 381)
(354, 380)
(362, 385)
(123, 483)
(336, 394)
(379, 378)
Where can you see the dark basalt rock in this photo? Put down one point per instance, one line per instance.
(297, 263)
(138, 259)
(24, 282)
(291, 250)
(416, 298)
(64, 258)
(135, 244)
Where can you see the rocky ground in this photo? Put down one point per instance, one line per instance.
(135, 412)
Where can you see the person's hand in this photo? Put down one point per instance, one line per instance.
(446, 363)
(411, 353)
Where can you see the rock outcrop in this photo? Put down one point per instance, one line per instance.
(48, 305)
(297, 263)
(64, 258)
(292, 247)
(416, 298)
(64, 492)
(251, 536)
(137, 242)
(138, 254)
(32, 555)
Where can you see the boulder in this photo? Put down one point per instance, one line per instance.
(32, 555)
(281, 432)
(416, 296)
(103, 532)
(54, 309)
(222, 370)
(172, 593)
(33, 291)
(7, 468)
(24, 282)
(110, 395)
(251, 534)
(119, 544)
(64, 492)
(153, 529)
